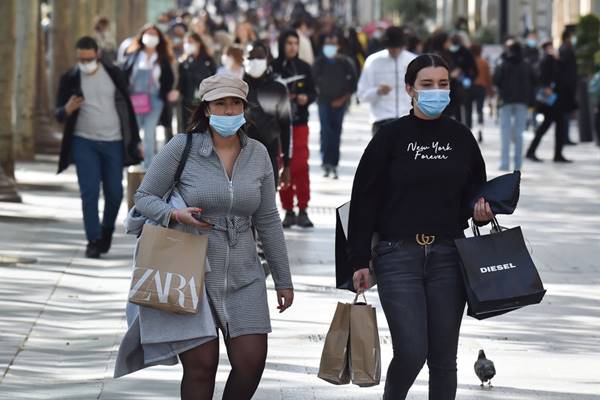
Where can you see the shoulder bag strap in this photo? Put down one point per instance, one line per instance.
(184, 157)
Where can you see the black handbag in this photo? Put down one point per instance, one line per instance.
(498, 272)
(343, 271)
(501, 192)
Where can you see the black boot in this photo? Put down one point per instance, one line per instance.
(303, 221)
(93, 250)
(289, 220)
(105, 240)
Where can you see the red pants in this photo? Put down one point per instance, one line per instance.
(300, 183)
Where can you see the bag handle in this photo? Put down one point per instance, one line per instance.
(496, 228)
(184, 157)
(358, 294)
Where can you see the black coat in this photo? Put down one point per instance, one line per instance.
(515, 80)
(567, 79)
(165, 83)
(70, 84)
(268, 112)
(297, 75)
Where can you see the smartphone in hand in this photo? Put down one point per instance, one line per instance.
(198, 216)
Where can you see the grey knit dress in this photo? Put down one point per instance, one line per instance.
(235, 283)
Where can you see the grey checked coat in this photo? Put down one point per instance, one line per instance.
(235, 284)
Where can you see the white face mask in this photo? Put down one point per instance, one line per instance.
(150, 40)
(88, 68)
(227, 61)
(190, 48)
(256, 67)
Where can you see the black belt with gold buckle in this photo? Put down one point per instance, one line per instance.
(424, 239)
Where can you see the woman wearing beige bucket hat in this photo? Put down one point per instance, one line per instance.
(228, 178)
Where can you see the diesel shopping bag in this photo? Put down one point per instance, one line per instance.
(169, 270)
(334, 358)
(364, 351)
(498, 272)
(352, 351)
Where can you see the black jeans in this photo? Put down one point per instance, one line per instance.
(551, 115)
(422, 295)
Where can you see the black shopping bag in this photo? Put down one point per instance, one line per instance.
(498, 272)
(343, 270)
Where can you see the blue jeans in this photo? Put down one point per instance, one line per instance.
(422, 294)
(99, 162)
(331, 132)
(148, 123)
(513, 120)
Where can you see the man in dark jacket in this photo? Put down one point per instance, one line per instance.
(335, 79)
(548, 103)
(567, 83)
(464, 71)
(100, 136)
(515, 81)
(297, 75)
(268, 110)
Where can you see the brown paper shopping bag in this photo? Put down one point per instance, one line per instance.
(364, 350)
(334, 359)
(169, 270)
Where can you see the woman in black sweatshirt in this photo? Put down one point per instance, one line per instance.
(411, 188)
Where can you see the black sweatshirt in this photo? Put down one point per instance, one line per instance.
(415, 176)
(269, 115)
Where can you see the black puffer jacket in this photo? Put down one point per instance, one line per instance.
(515, 80)
(268, 112)
(297, 75)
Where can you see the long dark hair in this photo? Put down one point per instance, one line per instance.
(423, 61)
(164, 51)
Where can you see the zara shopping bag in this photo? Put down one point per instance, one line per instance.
(169, 270)
(352, 351)
(498, 272)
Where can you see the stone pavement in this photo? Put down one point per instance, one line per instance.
(61, 318)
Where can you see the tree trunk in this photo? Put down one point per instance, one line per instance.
(47, 130)
(28, 20)
(7, 55)
(62, 42)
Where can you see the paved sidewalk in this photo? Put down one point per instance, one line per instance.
(61, 319)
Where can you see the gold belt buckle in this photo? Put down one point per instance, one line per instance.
(424, 239)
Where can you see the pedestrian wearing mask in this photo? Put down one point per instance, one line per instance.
(100, 136)
(464, 70)
(195, 66)
(382, 80)
(335, 80)
(548, 103)
(411, 187)
(177, 34)
(268, 112)
(232, 62)
(297, 75)
(151, 80)
(482, 86)
(228, 176)
(515, 81)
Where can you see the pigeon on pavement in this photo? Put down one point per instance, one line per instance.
(484, 369)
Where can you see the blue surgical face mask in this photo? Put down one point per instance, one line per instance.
(432, 102)
(227, 125)
(330, 50)
(532, 43)
(454, 48)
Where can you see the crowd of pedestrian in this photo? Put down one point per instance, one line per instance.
(238, 84)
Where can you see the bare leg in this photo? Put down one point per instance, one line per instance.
(199, 371)
(247, 355)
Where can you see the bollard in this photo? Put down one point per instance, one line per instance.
(135, 174)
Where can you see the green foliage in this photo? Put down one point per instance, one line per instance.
(588, 45)
(415, 12)
(485, 35)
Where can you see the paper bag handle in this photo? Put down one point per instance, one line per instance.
(495, 227)
(358, 294)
